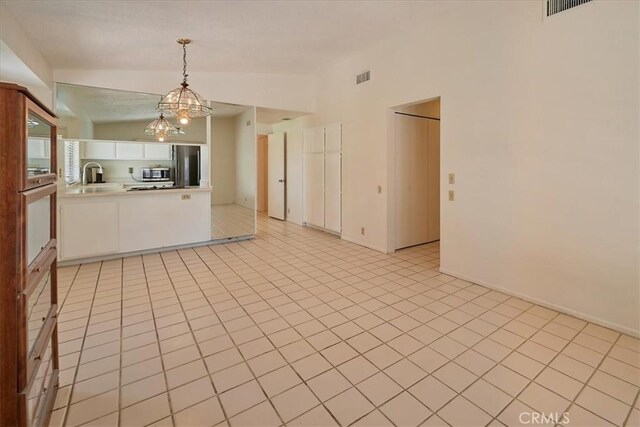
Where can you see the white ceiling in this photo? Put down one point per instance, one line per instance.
(228, 36)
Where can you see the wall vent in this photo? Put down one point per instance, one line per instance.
(557, 6)
(365, 76)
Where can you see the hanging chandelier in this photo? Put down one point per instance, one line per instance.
(182, 102)
(161, 128)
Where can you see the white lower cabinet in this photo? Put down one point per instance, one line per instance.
(100, 225)
(89, 229)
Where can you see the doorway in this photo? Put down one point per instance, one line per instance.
(262, 174)
(416, 133)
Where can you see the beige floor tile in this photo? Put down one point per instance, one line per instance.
(185, 373)
(146, 412)
(455, 376)
(339, 353)
(98, 367)
(231, 377)
(142, 389)
(92, 387)
(207, 413)
(191, 393)
(517, 414)
(279, 380)
(405, 373)
(435, 421)
(296, 351)
(432, 393)
(614, 387)
(223, 360)
(560, 383)
(492, 350)
(294, 402)
(572, 367)
(405, 410)
(364, 342)
(266, 363)
(349, 406)
(460, 412)
(259, 416)
(537, 352)
(92, 408)
(357, 369)
(543, 400)
(379, 388)
(605, 406)
(316, 417)
(311, 366)
(621, 370)
(427, 359)
(375, 418)
(506, 380)
(240, 398)
(474, 362)
(487, 397)
(523, 365)
(581, 417)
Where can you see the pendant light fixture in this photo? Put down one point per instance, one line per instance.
(161, 128)
(182, 102)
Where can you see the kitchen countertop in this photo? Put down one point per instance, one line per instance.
(101, 190)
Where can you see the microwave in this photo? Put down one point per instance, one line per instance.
(156, 174)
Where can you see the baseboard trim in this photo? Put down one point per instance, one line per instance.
(562, 309)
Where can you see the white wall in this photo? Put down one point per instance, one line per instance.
(223, 161)
(245, 136)
(540, 125)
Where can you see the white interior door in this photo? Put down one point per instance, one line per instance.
(276, 176)
(333, 178)
(313, 179)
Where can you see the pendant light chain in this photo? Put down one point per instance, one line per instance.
(184, 62)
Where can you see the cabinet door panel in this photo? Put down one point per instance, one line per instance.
(332, 192)
(314, 189)
(90, 229)
(126, 151)
(99, 150)
(157, 151)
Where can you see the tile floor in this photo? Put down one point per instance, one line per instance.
(297, 327)
(231, 221)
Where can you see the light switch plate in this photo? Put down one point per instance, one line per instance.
(451, 196)
(452, 178)
(185, 197)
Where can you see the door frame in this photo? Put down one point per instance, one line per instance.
(391, 169)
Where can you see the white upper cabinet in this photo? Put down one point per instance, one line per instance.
(129, 151)
(157, 151)
(99, 150)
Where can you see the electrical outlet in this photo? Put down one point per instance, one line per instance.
(130, 170)
(362, 231)
(451, 196)
(185, 197)
(452, 178)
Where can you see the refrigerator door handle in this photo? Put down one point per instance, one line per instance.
(199, 165)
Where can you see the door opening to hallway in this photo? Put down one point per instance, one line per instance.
(417, 174)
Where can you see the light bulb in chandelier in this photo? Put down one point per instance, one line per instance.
(183, 117)
(161, 138)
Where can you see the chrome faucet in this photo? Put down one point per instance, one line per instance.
(84, 171)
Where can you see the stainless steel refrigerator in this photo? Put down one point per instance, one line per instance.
(186, 164)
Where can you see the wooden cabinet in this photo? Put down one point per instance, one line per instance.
(28, 270)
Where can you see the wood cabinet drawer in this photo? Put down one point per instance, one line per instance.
(37, 399)
(39, 205)
(37, 302)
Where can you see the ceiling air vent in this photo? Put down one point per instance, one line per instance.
(557, 6)
(365, 76)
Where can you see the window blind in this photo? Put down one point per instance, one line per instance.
(71, 162)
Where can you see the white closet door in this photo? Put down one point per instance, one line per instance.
(313, 209)
(332, 194)
(333, 178)
(314, 189)
(433, 190)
